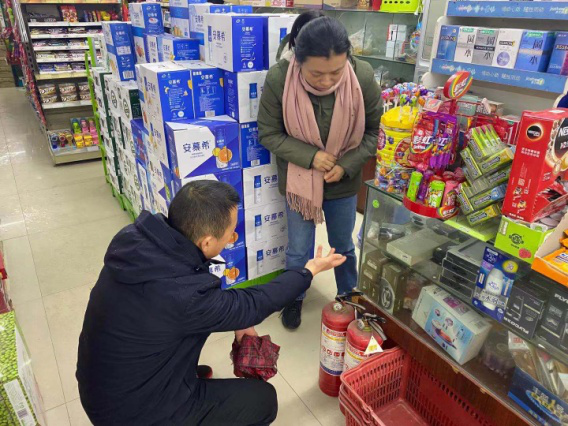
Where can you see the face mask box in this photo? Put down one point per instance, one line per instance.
(234, 270)
(484, 48)
(242, 94)
(507, 48)
(146, 19)
(234, 42)
(206, 85)
(266, 223)
(199, 147)
(542, 145)
(118, 39)
(275, 29)
(448, 42)
(534, 50)
(253, 154)
(559, 58)
(494, 283)
(465, 45)
(232, 177)
(454, 326)
(260, 186)
(265, 258)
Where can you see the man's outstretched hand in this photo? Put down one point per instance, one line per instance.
(321, 264)
(249, 332)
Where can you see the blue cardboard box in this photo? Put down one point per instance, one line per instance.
(275, 29)
(199, 147)
(242, 94)
(234, 270)
(240, 8)
(235, 42)
(559, 58)
(119, 42)
(145, 192)
(252, 152)
(534, 51)
(206, 84)
(197, 20)
(448, 42)
(146, 19)
(543, 405)
(140, 136)
(165, 47)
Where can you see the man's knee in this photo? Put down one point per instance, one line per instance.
(268, 402)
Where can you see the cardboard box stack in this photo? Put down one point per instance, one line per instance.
(177, 119)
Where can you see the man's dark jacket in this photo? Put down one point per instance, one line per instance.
(149, 315)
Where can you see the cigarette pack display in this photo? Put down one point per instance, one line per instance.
(265, 258)
(465, 44)
(260, 186)
(266, 223)
(457, 283)
(233, 269)
(242, 94)
(507, 48)
(252, 152)
(534, 51)
(448, 42)
(559, 58)
(484, 48)
(119, 43)
(206, 89)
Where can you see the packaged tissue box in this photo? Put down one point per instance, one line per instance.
(242, 94)
(197, 21)
(457, 328)
(118, 39)
(448, 42)
(234, 269)
(146, 19)
(559, 58)
(260, 186)
(275, 29)
(199, 147)
(465, 44)
(234, 42)
(507, 48)
(534, 51)
(484, 48)
(165, 47)
(266, 223)
(252, 152)
(265, 258)
(207, 89)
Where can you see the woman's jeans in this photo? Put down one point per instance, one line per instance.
(340, 221)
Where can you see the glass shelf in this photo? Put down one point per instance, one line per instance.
(384, 58)
(389, 209)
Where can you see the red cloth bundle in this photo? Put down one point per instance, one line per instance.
(255, 357)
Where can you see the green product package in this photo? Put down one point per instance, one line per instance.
(20, 401)
(519, 240)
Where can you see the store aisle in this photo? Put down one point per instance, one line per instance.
(55, 225)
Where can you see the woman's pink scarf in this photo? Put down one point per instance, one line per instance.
(304, 188)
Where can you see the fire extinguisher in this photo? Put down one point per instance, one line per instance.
(360, 333)
(335, 318)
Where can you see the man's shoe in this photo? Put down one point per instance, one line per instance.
(204, 372)
(292, 315)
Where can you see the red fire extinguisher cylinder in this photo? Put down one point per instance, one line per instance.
(359, 334)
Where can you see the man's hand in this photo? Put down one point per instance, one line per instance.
(323, 161)
(335, 174)
(321, 264)
(249, 332)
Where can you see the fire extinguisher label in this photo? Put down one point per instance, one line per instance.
(332, 350)
(353, 356)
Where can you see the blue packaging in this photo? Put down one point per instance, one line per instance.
(118, 39)
(197, 19)
(241, 9)
(178, 49)
(140, 137)
(252, 152)
(494, 283)
(146, 195)
(235, 42)
(448, 42)
(207, 89)
(234, 270)
(559, 58)
(199, 147)
(242, 94)
(534, 50)
(146, 19)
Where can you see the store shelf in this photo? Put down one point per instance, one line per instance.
(333, 10)
(551, 83)
(61, 36)
(56, 48)
(384, 58)
(71, 104)
(61, 156)
(509, 9)
(56, 75)
(51, 61)
(64, 24)
(69, 2)
(475, 372)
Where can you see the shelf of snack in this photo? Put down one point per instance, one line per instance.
(64, 24)
(554, 10)
(55, 75)
(79, 140)
(384, 6)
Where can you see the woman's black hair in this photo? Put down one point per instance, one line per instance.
(300, 21)
(320, 37)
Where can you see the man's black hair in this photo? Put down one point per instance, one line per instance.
(320, 37)
(203, 207)
(300, 21)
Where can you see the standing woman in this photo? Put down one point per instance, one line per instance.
(319, 115)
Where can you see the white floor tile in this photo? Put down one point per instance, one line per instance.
(8, 186)
(77, 415)
(57, 416)
(32, 319)
(12, 222)
(22, 277)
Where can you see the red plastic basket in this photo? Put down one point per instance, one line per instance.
(392, 388)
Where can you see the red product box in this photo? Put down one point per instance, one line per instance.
(541, 157)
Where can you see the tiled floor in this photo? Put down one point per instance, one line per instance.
(55, 224)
